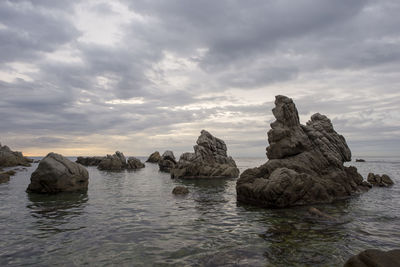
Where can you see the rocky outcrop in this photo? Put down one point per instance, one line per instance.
(9, 158)
(56, 173)
(377, 180)
(114, 162)
(305, 163)
(155, 157)
(167, 161)
(209, 160)
(180, 190)
(375, 258)
(89, 161)
(134, 163)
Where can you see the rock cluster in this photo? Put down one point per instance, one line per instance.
(377, 180)
(9, 158)
(375, 258)
(305, 163)
(209, 160)
(56, 173)
(89, 161)
(118, 162)
(155, 157)
(167, 161)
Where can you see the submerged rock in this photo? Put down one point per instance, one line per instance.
(377, 180)
(180, 190)
(89, 161)
(209, 160)
(9, 158)
(305, 163)
(375, 258)
(155, 157)
(56, 173)
(134, 163)
(167, 161)
(360, 160)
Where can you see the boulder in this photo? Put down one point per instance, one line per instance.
(4, 177)
(209, 160)
(180, 190)
(134, 163)
(377, 180)
(305, 163)
(114, 162)
(154, 157)
(56, 173)
(167, 161)
(9, 158)
(375, 258)
(89, 161)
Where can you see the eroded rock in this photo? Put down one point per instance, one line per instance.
(378, 180)
(180, 190)
(375, 258)
(9, 158)
(155, 157)
(134, 163)
(167, 161)
(89, 161)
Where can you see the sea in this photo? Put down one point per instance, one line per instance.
(131, 218)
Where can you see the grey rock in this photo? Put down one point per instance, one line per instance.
(56, 173)
(116, 162)
(180, 190)
(209, 160)
(89, 161)
(305, 163)
(375, 258)
(155, 157)
(167, 161)
(9, 158)
(134, 163)
(377, 180)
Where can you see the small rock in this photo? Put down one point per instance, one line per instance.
(4, 177)
(134, 163)
(155, 157)
(360, 160)
(375, 258)
(10, 172)
(89, 161)
(180, 190)
(377, 180)
(317, 212)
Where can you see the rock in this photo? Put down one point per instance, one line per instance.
(154, 157)
(375, 258)
(167, 161)
(114, 162)
(89, 161)
(4, 177)
(180, 190)
(305, 163)
(377, 180)
(209, 160)
(317, 212)
(9, 158)
(134, 163)
(10, 172)
(56, 173)
(360, 160)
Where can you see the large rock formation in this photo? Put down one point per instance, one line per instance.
(375, 258)
(167, 161)
(305, 163)
(89, 161)
(134, 163)
(118, 162)
(155, 157)
(56, 173)
(9, 158)
(209, 160)
(377, 180)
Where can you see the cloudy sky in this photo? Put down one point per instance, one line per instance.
(92, 77)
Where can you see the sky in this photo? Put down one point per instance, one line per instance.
(92, 77)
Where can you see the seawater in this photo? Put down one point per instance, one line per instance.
(131, 218)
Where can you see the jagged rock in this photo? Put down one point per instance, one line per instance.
(89, 161)
(209, 160)
(360, 160)
(114, 162)
(180, 190)
(167, 161)
(4, 177)
(134, 163)
(9, 158)
(375, 258)
(305, 163)
(56, 173)
(377, 180)
(154, 157)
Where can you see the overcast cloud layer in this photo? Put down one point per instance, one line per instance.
(92, 77)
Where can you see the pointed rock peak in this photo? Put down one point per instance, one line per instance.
(285, 111)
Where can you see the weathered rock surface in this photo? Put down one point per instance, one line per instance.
(305, 163)
(180, 190)
(114, 162)
(89, 161)
(209, 160)
(56, 173)
(375, 258)
(377, 180)
(9, 158)
(155, 157)
(167, 161)
(134, 163)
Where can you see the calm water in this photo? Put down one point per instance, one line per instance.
(132, 219)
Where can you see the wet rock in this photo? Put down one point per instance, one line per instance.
(89, 161)
(4, 177)
(360, 160)
(375, 258)
(167, 161)
(305, 163)
(180, 190)
(209, 160)
(11, 172)
(377, 180)
(155, 157)
(134, 163)
(114, 162)
(9, 158)
(318, 213)
(56, 173)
